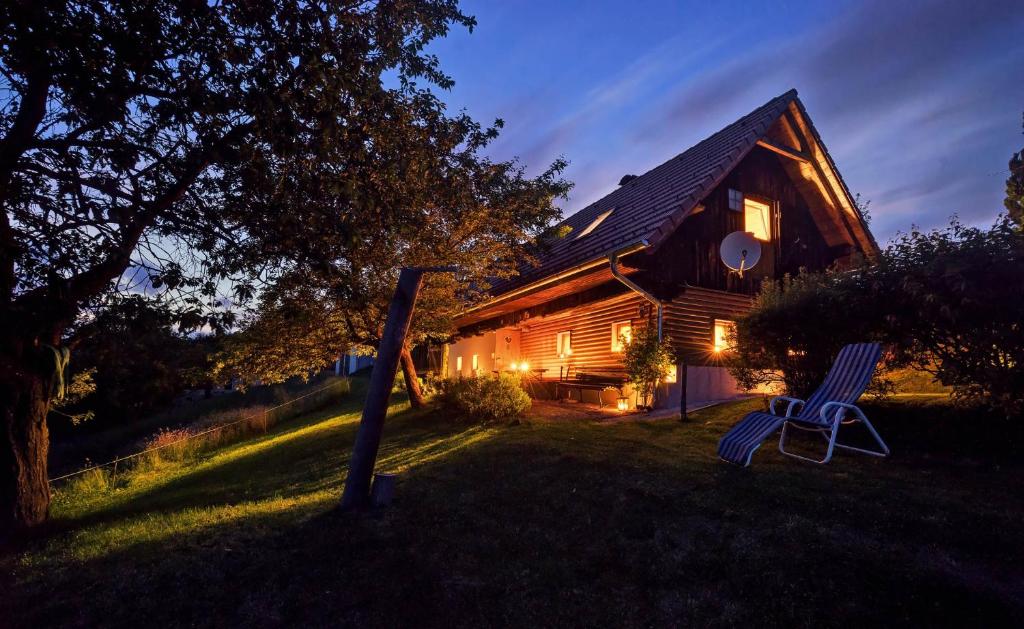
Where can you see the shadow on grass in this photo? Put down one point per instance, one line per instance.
(555, 524)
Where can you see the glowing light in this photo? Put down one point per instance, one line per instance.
(524, 366)
(757, 219)
(723, 330)
(513, 366)
(670, 374)
(623, 404)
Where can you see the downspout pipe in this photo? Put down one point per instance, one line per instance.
(633, 286)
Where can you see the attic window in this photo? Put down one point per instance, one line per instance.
(597, 221)
(735, 200)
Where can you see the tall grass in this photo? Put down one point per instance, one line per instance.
(204, 434)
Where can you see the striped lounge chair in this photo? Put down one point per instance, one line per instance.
(824, 412)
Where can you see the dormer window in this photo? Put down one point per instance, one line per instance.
(597, 221)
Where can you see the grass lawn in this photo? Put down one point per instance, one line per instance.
(547, 523)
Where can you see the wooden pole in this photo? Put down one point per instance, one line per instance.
(385, 368)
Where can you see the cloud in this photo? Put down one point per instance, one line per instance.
(914, 99)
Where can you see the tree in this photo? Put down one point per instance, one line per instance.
(449, 206)
(1015, 189)
(136, 139)
(137, 358)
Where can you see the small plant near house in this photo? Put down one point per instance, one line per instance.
(486, 398)
(646, 360)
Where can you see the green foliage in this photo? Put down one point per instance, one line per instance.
(947, 302)
(486, 398)
(1015, 190)
(646, 361)
(131, 361)
(797, 326)
(954, 299)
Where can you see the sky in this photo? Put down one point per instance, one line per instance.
(919, 103)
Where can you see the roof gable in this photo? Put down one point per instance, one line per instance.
(650, 207)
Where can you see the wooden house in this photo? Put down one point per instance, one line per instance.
(650, 250)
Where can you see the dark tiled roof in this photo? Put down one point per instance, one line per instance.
(652, 205)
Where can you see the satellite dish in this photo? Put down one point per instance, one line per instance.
(740, 251)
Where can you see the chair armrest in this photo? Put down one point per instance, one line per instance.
(841, 407)
(793, 402)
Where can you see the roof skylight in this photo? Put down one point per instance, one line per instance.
(597, 221)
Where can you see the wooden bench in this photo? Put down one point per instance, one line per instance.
(582, 379)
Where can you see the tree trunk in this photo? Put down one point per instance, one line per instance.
(412, 384)
(356, 494)
(24, 482)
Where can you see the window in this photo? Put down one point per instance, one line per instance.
(724, 330)
(458, 364)
(476, 363)
(621, 331)
(563, 344)
(735, 200)
(593, 225)
(757, 219)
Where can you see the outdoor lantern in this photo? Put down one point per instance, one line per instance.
(524, 366)
(513, 366)
(623, 404)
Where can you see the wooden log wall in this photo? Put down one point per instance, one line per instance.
(591, 328)
(688, 322)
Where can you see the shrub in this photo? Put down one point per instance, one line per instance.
(486, 398)
(956, 303)
(797, 326)
(646, 360)
(947, 302)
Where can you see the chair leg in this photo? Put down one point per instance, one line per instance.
(884, 449)
(833, 433)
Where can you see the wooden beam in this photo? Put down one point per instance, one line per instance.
(785, 151)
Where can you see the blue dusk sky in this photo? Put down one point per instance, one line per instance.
(920, 103)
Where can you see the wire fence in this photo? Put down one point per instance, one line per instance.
(261, 418)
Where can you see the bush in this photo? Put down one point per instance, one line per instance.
(947, 302)
(797, 326)
(646, 360)
(486, 398)
(956, 299)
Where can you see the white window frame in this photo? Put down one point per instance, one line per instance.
(617, 347)
(563, 344)
(458, 364)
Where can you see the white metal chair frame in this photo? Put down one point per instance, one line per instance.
(828, 429)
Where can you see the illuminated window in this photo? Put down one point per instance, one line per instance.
(458, 364)
(724, 330)
(476, 362)
(757, 219)
(563, 344)
(735, 200)
(621, 331)
(597, 221)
